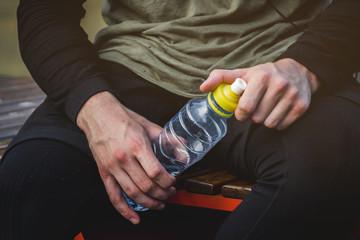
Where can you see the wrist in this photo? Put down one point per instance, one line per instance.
(311, 77)
(94, 103)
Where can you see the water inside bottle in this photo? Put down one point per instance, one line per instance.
(172, 166)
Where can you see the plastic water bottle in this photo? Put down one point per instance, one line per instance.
(194, 130)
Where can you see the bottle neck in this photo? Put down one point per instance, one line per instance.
(216, 108)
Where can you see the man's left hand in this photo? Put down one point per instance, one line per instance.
(277, 93)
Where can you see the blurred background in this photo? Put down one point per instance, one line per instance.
(10, 60)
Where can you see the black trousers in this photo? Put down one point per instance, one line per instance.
(306, 177)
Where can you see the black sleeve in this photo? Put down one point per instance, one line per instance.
(330, 46)
(58, 54)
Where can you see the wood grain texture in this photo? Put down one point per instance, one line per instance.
(237, 189)
(19, 97)
(209, 184)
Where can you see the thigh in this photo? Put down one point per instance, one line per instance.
(298, 173)
(44, 184)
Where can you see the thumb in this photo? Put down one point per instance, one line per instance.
(221, 76)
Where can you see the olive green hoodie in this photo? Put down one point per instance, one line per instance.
(176, 43)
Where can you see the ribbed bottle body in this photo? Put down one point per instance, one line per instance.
(186, 138)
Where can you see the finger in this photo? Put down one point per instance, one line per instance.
(267, 103)
(278, 113)
(146, 185)
(153, 130)
(153, 168)
(221, 76)
(114, 192)
(251, 97)
(134, 192)
(297, 111)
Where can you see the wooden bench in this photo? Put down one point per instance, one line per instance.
(18, 99)
(205, 188)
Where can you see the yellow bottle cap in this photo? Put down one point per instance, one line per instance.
(225, 98)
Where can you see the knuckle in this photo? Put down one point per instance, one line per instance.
(154, 172)
(131, 192)
(257, 119)
(108, 163)
(120, 154)
(240, 115)
(300, 107)
(135, 144)
(104, 174)
(169, 183)
(121, 157)
(246, 107)
(147, 186)
(270, 123)
(153, 204)
(172, 181)
(263, 76)
(281, 84)
(114, 199)
(293, 93)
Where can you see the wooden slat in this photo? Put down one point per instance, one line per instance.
(1, 153)
(191, 173)
(210, 183)
(16, 116)
(10, 88)
(14, 125)
(6, 80)
(238, 189)
(4, 143)
(9, 132)
(21, 95)
(22, 104)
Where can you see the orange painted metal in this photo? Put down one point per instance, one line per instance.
(183, 197)
(218, 202)
(79, 237)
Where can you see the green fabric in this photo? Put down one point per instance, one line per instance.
(176, 43)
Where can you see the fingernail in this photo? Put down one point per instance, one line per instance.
(161, 207)
(173, 191)
(133, 220)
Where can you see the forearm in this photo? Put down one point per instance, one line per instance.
(58, 54)
(329, 47)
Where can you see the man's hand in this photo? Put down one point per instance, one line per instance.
(120, 142)
(276, 95)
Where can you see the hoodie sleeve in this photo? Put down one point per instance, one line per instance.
(58, 54)
(329, 47)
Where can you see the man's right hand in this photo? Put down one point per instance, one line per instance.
(120, 141)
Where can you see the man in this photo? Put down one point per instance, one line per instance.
(297, 134)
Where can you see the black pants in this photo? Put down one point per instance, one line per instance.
(307, 177)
